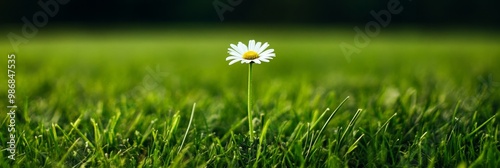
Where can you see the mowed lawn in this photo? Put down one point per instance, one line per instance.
(123, 98)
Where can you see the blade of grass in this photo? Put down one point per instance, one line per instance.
(349, 127)
(187, 130)
(60, 163)
(330, 118)
(480, 126)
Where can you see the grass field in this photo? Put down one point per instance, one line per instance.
(107, 98)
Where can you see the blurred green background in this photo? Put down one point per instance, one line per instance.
(94, 50)
(67, 68)
(88, 50)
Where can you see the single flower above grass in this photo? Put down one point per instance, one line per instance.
(253, 53)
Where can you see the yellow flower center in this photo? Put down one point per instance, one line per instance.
(250, 55)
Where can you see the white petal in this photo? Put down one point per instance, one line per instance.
(243, 48)
(246, 61)
(256, 48)
(236, 48)
(263, 47)
(234, 61)
(257, 61)
(268, 55)
(264, 60)
(234, 52)
(267, 52)
(251, 44)
(265, 57)
(232, 58)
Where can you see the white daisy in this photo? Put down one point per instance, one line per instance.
(254, 53)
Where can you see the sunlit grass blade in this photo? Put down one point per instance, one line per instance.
(187, 129)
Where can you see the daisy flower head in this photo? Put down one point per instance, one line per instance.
(253, 53)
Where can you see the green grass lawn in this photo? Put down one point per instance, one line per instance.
(107, 98)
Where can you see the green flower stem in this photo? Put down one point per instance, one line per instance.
(250, 127)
